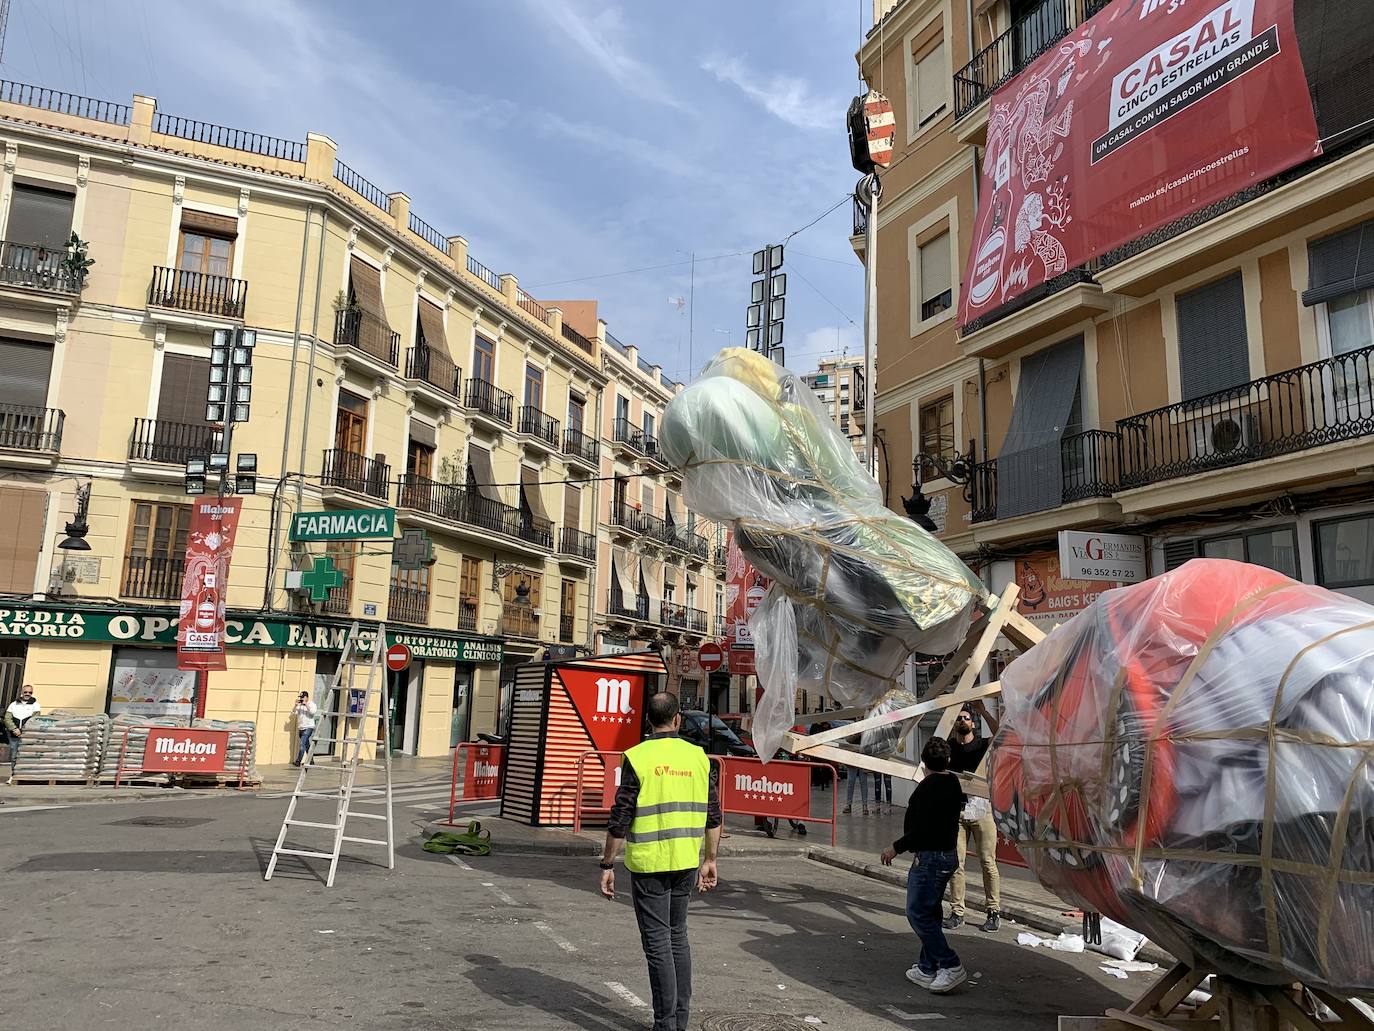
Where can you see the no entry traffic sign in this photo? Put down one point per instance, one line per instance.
(710, 656)
(397, 657)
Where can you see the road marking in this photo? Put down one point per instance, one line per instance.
(459, 863)
(562, 943)
(625, 993)
(904, 1015)
(500, 894)
(6, 810)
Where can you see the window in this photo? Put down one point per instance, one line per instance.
(21, 537)
(937, 428)
(936, 294)
(534, 387)
(1273, 549)
(622, 492)
(520, 597)
(1345, 552)
(572, 507)
(483, 360)
(622, 409)
(39, 216)
(156, 550)
(577, 410)
(1037, 24)
(932, 83)
(567, 611)
(27, 367)
(648, 424)
(1213, 348)
(420, 460)
(350, 424)
(344, 555)
(207, 243)
(469, 591)
(408, 601)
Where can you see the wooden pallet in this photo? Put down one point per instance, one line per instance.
(1233, 1006)
(53, 782)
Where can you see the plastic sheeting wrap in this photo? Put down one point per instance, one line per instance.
(856, 588)
(1191, 757)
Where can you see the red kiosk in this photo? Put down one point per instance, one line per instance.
(573, 718)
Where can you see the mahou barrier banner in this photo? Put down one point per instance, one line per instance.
(745, 587)
(780, 789)
(176, 750)
(209, 547)
(1147, 112)
(483, 766)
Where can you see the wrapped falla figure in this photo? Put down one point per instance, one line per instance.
(856, 588)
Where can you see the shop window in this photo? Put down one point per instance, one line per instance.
(937, 428)
(1213, 348)
(156, 551)
(146, 682)
(1345, 552)
(1273, 549)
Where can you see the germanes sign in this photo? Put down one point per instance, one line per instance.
(1149, 111)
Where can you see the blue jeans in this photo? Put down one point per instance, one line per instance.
(857, 777)
(925, 887)
(306, 735)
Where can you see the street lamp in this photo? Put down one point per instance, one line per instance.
(77, 529)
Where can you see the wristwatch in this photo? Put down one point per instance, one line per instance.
(607, 866)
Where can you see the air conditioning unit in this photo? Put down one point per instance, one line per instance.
(1222, 436)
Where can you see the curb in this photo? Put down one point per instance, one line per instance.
(1025, 914)
(591, 846)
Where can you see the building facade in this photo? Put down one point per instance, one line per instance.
(1206, 386)
(392, 370)
(838, 384)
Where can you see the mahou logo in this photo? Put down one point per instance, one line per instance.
(762, 785)
(486, 770)
(608, 703)
(170, 746)
(613, 697)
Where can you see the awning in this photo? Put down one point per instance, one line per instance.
(653, 577)
(620, 567)
(220, 225)
(367, 287)
(432, 325)
(479, 465)
(1030, 471)
(424, 433)
(529, 486)
(1339, 264)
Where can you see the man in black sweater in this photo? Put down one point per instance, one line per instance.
(931, 831)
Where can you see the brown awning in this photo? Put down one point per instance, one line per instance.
(424, 433)
(529, 486)
(432, 325)
(479, 468)
(220, 225)
(367, 287)
(572, 507)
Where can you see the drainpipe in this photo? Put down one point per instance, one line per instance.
(275, 543)
(983, 408)
(314, 339)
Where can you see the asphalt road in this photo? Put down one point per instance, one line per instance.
(112, 922)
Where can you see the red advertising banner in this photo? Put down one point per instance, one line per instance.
(483, 766)
(173, 750)
(1150, 110)
(772, 789)
(209, 547)
(610, 705)
(745, 587)
(611, 784)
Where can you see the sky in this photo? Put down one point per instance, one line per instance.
(570, 141)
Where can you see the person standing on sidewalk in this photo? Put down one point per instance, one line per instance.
(667, 807)
(305, 712)
(20, 711)
(967, 749)
(930, 831)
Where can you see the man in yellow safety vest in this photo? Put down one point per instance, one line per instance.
(667, 806)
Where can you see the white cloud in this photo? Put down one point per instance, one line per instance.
(784, 96)
(604, 38)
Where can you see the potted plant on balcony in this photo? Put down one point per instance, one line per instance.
(76, 263)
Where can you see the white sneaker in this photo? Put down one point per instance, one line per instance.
(919, 977)
(948, 979)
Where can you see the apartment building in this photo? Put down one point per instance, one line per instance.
(838, 384)
(392, 370)
(1204, 383)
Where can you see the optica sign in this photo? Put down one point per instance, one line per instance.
(1147, 112)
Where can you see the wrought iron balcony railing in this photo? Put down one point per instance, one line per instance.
(37, 267)
(519, 621)
(576, 544)
(487, 399)
(157, 440)
(407, 605)
(358, 473)
(627, 516)
(367, 332)
(198, 292)
(1090, 467)
(536, 424)
(461, 504)
(697, 621)
(426, 365)
(154, 577)
(580, 447)
(30, 428)
(629, 608)
(629, 435)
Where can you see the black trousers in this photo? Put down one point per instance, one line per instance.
(660, 901)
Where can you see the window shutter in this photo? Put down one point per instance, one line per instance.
(1340, 264)
(1030, 471)
(935, 273)
(1213, 353)
(572, 507)
(423, 433)
(930, 83)
(529, 486)
(184, 390)
(479, 468)
(39, 216)
(432, 325)
(26, 367)
(367, 287)
(1178, 552)
(21, 537)
(204, 222)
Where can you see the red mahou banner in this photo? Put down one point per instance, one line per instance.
(209, 548)
(173, 750)
(483, 766)
(1147, 112)
(780, 789)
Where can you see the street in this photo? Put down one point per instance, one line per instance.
(150, 913)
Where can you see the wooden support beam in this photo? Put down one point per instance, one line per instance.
(907, 712)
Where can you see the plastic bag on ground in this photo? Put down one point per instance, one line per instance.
(1191, 757)
(856, 588)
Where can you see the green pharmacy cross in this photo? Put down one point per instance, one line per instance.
(414, 550)
(321, 579)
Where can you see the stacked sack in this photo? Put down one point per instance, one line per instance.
(62, 746)
(243, 739)
(138, 727)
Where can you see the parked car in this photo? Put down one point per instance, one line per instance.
(713, 734)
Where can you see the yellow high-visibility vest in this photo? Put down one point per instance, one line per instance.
(670, 816)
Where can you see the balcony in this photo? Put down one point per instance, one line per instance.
(434, 369)
(626, 436)
(519, 621)
(574, 544)
(718, 556)
(567, 628)
(1090, 467)
(652, 451)
(720, 628)
(1326, 403)
(626, 518)
(580, 448)
(488, 403)
(152, 577)
(340, 600)
(407, 605)
(575, 338)
(156, 440)
(538, 429)
(623, 608)
(653, 528)
(344, 470)
(696, 547)
(1003, 58)
(31, 429)
(467, 617)
(697, 621)
(369, 334)
(33, 266)
(197, 292)
(460, 504)
(673, 615)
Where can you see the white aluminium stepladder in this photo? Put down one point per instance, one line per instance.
(341, 769)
